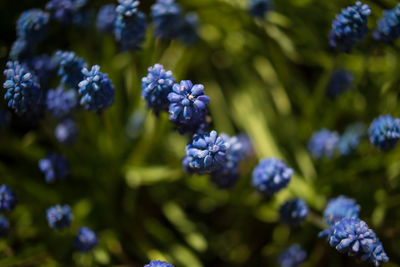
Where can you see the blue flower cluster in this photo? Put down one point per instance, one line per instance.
(70, 68)
(384, 132)
(349, 27)
(323, 144)
(340, 81)
(339, 208)
(59, 217)
(294, 211)
(32, 25)
(85, 240)
(60, 103)
(4, 226)
(158, 264)
(8, 199)
(388, 29)
(55, 167)
(258, 8)
(66, 132)
(68, 11)
(292, 257)
(106, 18)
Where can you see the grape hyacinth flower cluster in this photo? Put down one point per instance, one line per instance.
(323, 144)
(60, 103)
(384, 132)
(339, 208)
(106, 18)
(349, 27)
(293, 212)
(340, 81)
(388, 29)
(4, 226)
(55, 167)
(70, 68)
(59, 217)
(258, 8)
(292, 257)
(351, 138)
(85, 240)
(68, 11)
(270, 176)
(32, 25)
(158, 264)
(8, 199)
(66, 132)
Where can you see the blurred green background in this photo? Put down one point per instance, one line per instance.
(264, 77)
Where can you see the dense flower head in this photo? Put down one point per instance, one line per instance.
(388, 29)
(32, 25)
(23, 92)
(61, 102)
(294, 211)
(166, 16)
(339, 208)
(59, 217)
(67, 11)
(66, 132)
(349, 27)
(350, 139)
(271, 175)
(4, 119)
(156, 86)
(188, 104)
(187, 32)
(69, 68)
(206, 153)
(158, 264)
(4, 226)
(384, 132)
(8, 199)
(340, 81)
(292, 257)
(106, 18)
(55, 167)
(258, 8)
(353, 237)
(21, 50)
(96, 90)
(85, 240)
(323, 144)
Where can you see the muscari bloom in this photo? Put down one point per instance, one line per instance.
(188, 105)
(205, 153)
(85, 240)
(130, 25)
(258, 8)
(68, 11)
(96, 90)
(340, 81)
(69, 68)
(8, 200)
(59, 217)
(4, 226)
(270, 176)
(339, 208)
(106, 18)
(384, 132)
(350, 139)
(293, 212)
(388, 29)
(323, 144)
(156, 86)
(66, 132)
(349, 27)
(353, 237)
(292, 257)
(21, 50)
(55, 167)
(158, 264)
(166, 16)
(32, 25)
(61, 102)
(23, 92)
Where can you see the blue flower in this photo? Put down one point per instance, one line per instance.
(96, 90)
(353, 237)
(339, 208)
(388, 29)
(340, 81)
(68, 11)
(206, 153)
(70, 68)
(66, 132)
(294, 211)
(292, 257)
(188, 105)
(349, 27)
(85, 240)
(187, 32)
(384, 132)
(323, 144)
(21, 50)
(270, 176)
(258, 8)
(350, 139)
(59, 217)
(4, 119)
(130, 25)
(4, 226)
(55, 167)
(8, 200)
(106, 18)
(158, 264)
(32, 25)
(61, 102)
(23, 92)
(156, 86)
(166, 16)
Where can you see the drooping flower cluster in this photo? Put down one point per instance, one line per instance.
(8, 199)
(294, 211)
(66, 132)
(158, 264)
(323, 144)
(271, 175)
(85, 240)
(292, 257)
(259, 8)
(340, 81)
(384, 132)
(349, 27)
(55, 167)
(4, 226)
(106, 18)
(339, 208)
(59, 217)
(32, 25)
(388, 29)
(70, 68)
(351, 138)
(69, 11)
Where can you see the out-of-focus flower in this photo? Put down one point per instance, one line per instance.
(106, 18)
(61, 102)
(32, 25)
(340, 81)
(388, 29)
(292, 257)
(85, 240)
(8, 199)
(66, 132)
(294, 211)
(323, 144)
(339, 208)
(55, 167)
(59, 217)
